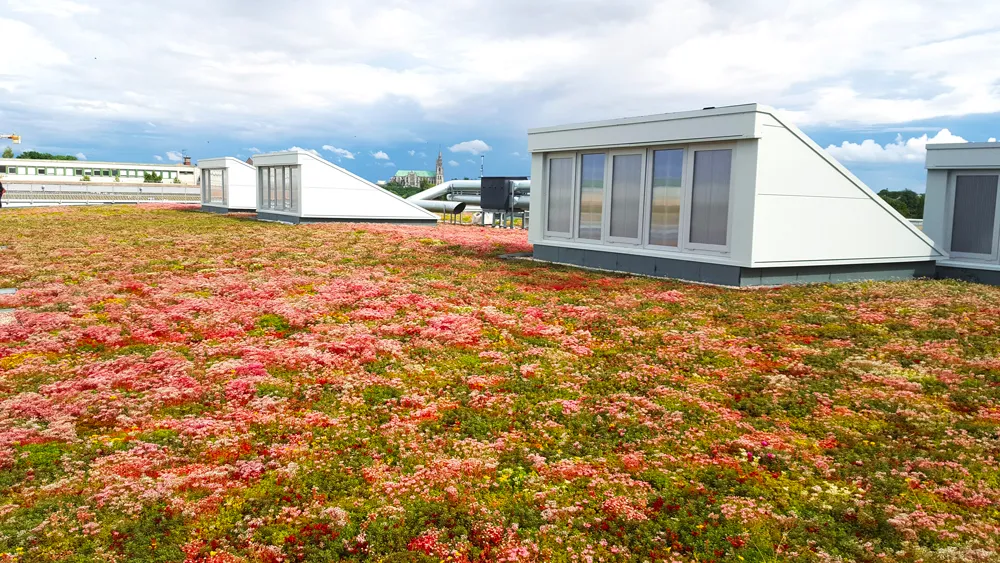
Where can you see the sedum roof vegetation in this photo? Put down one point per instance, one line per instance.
(188, 387)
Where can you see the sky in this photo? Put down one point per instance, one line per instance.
(376, 86)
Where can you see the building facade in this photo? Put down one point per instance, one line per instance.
(731, 196)
(962, 209)
(416, 178)
(28, 170)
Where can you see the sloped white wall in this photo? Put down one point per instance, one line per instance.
(810, 210)
(242, 185)
(329, 191)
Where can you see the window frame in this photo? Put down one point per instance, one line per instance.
(994, 256)
(685, 205)
(609, 167)
(689, 163)
(578, 195)
(573, 205)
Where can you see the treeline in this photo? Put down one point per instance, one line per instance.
(909, 203)
(35, 155)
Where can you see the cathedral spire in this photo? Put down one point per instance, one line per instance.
(439, 172)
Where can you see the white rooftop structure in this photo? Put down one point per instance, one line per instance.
(227, 184)
(962, 209)
(24, 170)
(299, 187)
(732, 196)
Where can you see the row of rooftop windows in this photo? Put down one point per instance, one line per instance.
(107, 172)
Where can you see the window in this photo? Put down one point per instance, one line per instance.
(560, 203)
(22, 170)
(626, 196)
(12, 169)
(591, 196)
(665, 200)
(51, 171)
(710, 197)
(279, 186)
(106, 172)
(116, 172)
(78, 172)
(41, 171)
(217, 184)
(973, 228)
(60, 172)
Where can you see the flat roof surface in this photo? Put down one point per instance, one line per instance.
(705, 112)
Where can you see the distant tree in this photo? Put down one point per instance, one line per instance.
(426, 183)
(909, 203)
(400, 189)
(35, 155)
(8, 153)
(152, 178)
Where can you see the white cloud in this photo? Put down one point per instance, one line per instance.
(474, 147)
(254, 150)
(992, 140)
(55, 8)
(174, 156)
(453, 163)
(341, 153)
(380, 155)
(824, 62)
(412, 152)
(913, 149)
(296, 148)
(158, 158)
(389, 164)
(515, 154)
(81, 156)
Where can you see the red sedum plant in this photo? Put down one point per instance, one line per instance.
(184, 387)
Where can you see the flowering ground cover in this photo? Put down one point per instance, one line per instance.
(186, 387)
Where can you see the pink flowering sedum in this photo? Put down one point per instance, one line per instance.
(183, 387)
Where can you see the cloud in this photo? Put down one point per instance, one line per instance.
(254, 150)
(341, 153)
(992, 140)
(913, 149)
(54, 8)
(475, 147)
(489, 77)
(380, 155)
(389, 164)
(412, 152)
(174, 156)
(515, 154)
(158, 158)
(296, 148)
(81, 156)
(453, 163)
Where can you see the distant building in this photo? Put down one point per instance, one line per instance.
(415, 178)
(29, 170)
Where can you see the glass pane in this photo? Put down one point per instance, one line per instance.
(591, 195)
(560, 195)
(217, 182)
(710, 197)
(665, 203)
(972, 228)
(626, 192)
(288, 188)
(275, 188)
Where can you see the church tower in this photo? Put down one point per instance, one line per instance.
(439, 172)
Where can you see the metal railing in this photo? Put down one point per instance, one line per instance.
(83, 193)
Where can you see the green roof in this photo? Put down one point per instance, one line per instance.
(420, 173)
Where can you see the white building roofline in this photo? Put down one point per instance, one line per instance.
(672, 116)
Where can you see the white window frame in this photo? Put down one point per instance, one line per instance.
(952, 192)
(574, 196)
(689, 158)
(609, 166)
(683, 220)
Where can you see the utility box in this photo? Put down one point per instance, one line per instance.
(497, 192)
